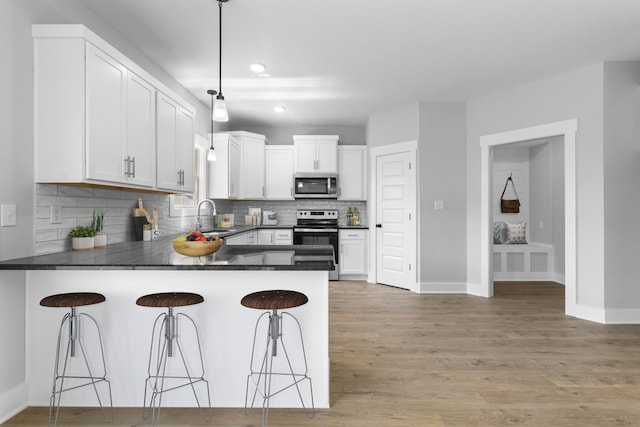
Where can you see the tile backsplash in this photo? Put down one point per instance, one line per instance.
(78, 203)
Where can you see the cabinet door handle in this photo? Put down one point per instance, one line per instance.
(126, 167)
(179, 177)
(133, 161)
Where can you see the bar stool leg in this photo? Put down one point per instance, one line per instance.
(265, 374)
(166, 335)
(73, 320)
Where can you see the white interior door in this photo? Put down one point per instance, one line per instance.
(396, 219)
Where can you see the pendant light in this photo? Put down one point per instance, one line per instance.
(211, 156)
(220, 113)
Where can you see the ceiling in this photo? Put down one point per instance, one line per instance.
(336, 62)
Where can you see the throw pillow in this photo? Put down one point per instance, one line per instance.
(499, 232)
(517, 233)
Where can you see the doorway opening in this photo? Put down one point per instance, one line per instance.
(566, 131)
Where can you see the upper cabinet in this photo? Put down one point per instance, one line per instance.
(96, 115)
(278, 179)
(223, 175)
(238, 172)
(316, 153)
(352, 169)
(175, 145)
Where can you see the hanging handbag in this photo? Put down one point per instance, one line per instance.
(509, 205)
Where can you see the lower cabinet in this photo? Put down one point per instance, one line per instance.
(353, 252)
(261, 237)
(246, 238)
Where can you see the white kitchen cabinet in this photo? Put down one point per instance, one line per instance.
(223, 175)
(275, 237)
(238, 172)
(120, 122)
(352, 169)
(95, 112)
(251, 165)
(279, 172)
(175, 145)
(316, 153)
(353, 252)
(245, 238)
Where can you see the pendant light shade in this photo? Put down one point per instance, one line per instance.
(211, 156)
(220, 113)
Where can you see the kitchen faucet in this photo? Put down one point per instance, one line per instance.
(199, 219)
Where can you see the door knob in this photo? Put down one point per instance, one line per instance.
(379, 225)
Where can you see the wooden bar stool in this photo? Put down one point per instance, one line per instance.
(74, 335)
(165, 332)
(261, 376)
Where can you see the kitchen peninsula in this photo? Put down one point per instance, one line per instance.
(123, 272)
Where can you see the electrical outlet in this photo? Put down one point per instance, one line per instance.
(541, 225)
(56, 214)
(7, 215)
(438, 205)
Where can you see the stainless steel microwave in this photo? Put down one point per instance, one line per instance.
(315, 186)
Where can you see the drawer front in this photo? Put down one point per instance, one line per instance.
(283, 234)
(352, 234)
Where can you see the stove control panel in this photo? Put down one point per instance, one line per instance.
(317, 214)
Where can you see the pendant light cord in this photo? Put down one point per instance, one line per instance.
(220, 48)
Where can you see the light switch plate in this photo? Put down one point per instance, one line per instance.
(56, 214)
(438, 205)
(7, 215)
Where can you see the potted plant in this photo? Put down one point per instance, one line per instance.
(97, 223)
(82, 237)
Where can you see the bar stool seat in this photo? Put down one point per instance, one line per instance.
(72, 300)
(166, 335)
(274, 300)
(261, 375)
(170, 299)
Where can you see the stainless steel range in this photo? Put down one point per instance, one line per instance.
(318, 227)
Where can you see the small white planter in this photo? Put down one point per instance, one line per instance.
(82, 243)
(100, 241)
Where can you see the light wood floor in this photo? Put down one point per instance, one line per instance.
(402, 359)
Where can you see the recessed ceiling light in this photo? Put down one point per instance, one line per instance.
(257, 67)
(279, 109)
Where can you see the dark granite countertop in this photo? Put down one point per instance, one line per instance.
(159, 255)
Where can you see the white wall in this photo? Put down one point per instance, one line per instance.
(621, 195)
(511, 160)
(577, 94)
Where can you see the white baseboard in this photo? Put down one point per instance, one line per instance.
(442, 288)
(13, 401)
(559, 278)
(620, 316)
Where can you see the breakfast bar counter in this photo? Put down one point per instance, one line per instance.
(124, 272)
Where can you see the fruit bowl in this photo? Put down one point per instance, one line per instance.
(197, 248)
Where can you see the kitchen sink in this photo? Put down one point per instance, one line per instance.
(217, 231)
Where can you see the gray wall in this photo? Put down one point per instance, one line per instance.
(574, 95)
(540, 227)
(621, 179)
(442, 176)
(439, 129)
(283, 135)
(400, 124)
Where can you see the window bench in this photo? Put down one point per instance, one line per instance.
(526, 262)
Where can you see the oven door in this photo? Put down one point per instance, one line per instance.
(319, 236)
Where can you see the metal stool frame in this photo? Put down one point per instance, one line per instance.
(166, 335)
(73, 319)
(262, 379)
